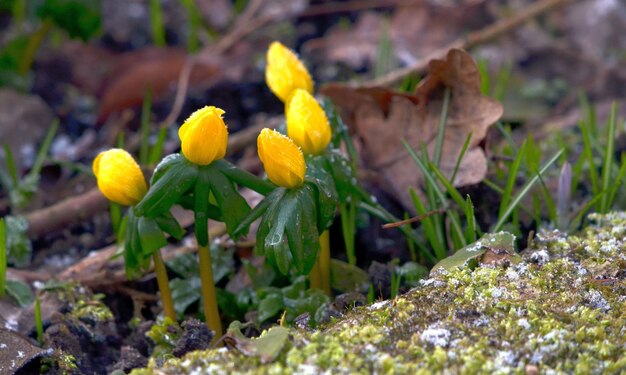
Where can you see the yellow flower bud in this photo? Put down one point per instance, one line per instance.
(282, 159)
(285, 72)
(307, 123)
(204, 136)
(119, 177)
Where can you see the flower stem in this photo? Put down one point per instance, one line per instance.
(209, 297)
(315, 277)
(164, 286)
(324, 261)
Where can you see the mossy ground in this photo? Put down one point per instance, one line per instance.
(562, 310)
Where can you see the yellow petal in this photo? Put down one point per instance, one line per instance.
(119, 177)
(282, 159)
(307, 123)
(204, 136)
(285, 72)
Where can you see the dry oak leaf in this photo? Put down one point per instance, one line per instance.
(380, 119)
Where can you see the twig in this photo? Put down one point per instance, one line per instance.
(487, 34)
(413, 219)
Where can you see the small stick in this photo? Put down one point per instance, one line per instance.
(413, 219)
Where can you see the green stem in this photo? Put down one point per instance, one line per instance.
(324, 261)
(164, 286)
(315, 277)
(209, 296)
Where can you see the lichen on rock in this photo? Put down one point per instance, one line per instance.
(561, 310)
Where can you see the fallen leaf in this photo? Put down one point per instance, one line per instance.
(381, 119)
(16, 351)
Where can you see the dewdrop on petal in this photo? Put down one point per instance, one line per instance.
(119, 177)
(284, 72)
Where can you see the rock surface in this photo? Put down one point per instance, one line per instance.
(561, 310)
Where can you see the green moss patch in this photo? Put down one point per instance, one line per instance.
(561, 310)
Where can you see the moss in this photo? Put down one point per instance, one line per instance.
(561, 310)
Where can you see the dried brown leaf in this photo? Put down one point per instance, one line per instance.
(382, 118)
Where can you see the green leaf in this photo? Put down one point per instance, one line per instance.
(168, 224)
(135, 261)
(275, 242)
(258, 210)
(20, 292)
(325, 193)
(173, 178)
(302, 232)
(244, 178)
(150, 236)
(233, 206)
(270, 306)
(500, 242)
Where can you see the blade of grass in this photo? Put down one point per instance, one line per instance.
(618, 181)
(45, 147)
(428, 226)
(506, 133)
(156, 152)
(607, 165)
(451, 190)
(430, 179)
(456, 235)
(503, 78)
(522, 193)
(156, 22)
(382, 214)
(8, 154)
(460, 158)
(442, 127)
(575, 223)
(470, 221)
(588, 151)
(410, 244)
(510, 183)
